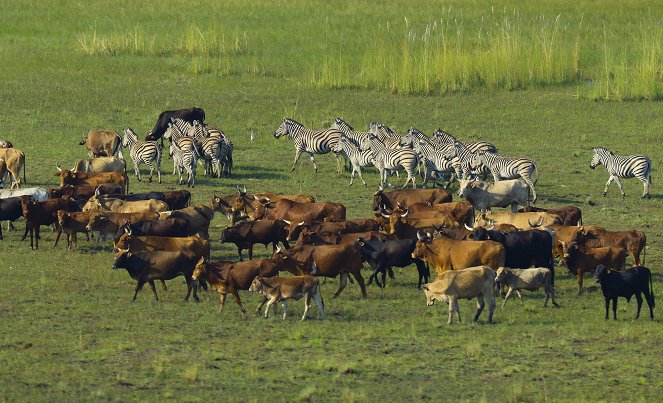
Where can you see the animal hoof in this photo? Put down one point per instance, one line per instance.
(604, 193)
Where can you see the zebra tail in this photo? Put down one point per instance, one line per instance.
(536, 170)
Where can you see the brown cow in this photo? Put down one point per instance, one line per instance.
(105, 223)
(523, 221)
(570, 215)
(404, 227)
(407, 197)
(460, 211)
(297, 212)
(71, 224)
(80, 178)
(84, 192)
(194, 244)
(565, 233)
(579, 259)
(99, 165)
(3, 171)
(198, 217)
(341, 227)
(248, 233)
(14, 159)
(448, 254)
(634, 242)
(37, 214)
(103, 143)
(333, 238)
(237, 206)
(278, 289)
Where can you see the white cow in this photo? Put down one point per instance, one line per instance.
(484, 195)
(39, 194)
(526, 279)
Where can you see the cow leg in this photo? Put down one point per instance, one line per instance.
(269, 304)
(520, 297)
(163, 284)
(37, 237)
(307, 305)
(262, 303)
(423, 274)
(480, 306)
(251, 252)
(283, 306)
(239, 252)
(25, 234)
(384, 277)
(506, 298)
(638, 298)
(452, 308)
(607, 308)
(319, 303)
(139, 286)
(154, 290)
(579, 281)
(547, 291)
(360, 280)
(239, 301)
(342, 283)
(614, 308)
(650, 302)
(222, 301)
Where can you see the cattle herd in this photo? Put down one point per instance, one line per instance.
(475, 251)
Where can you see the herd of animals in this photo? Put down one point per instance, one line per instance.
(474, 250)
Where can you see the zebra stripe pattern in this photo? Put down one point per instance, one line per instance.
(386, 160)
(310, 141)
(461, 158)
(434, 161)
(226, 147)
(502, 167)
(444, 138)
(358, 158)
(633, 166)
(147, 152)
(350, 134)
(185, 160)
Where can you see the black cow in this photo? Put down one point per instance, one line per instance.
(10, 210)
(523, 248)
(173, 227)
(177, 199)
(165, 117)
(382, 255)
(247, 233)
(625, 284)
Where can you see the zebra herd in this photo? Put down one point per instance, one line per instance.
(440, 155)
(188, 144)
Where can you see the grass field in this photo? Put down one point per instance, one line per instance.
(68, 330)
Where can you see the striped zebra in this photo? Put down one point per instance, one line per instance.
(386, 160)
(208, 148)
(178, 131)
(638, 166)
(350, 134)
(358, 158)
(310, 141)
(502, 167)
(148, 152)
(435, 163)
(443, 138)
(461, 158)
(185, 160)
(226, 146)
(387, 136)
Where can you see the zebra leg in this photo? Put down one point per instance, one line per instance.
(619, 185)
(151, 165)
(315, 166)
(361, 176)
(528, 180)
(610, 179)
(352, 175)
(298, 153)
(645, 192)
(174, 167)
(136, 167)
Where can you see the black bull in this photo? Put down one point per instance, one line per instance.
(383, 255)
(165, 117)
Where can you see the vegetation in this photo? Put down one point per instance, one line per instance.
(68, 330)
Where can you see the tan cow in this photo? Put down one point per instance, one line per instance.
(3, 170)
(278, 289)
(522, 221)
(468, 283)
(526, 279)
(15, 160)
(446, 254)
(68, 177)
(122, 206)
(195, 244)
(103, 143)
(100, 165)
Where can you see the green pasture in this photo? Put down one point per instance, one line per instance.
(68, 330)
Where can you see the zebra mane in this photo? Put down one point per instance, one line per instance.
(442, 133)
(342, 122)
(292, 121)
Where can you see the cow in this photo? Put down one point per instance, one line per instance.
(526, 279)
(448, 254)
(6, 144)
(484, 195)
(84, 192)
(248, 233)
(570, 215)
(10, 211)
(103, 143)
(297, 212)
(468, 283)
(198, 217)
(145, 267)
(635, 280)
(333, 238)
(38, 194)
(341, 227)
(68, 177)
(522, 221)
(463, 233)
(136, 196)
(195, 244)
(99, 165)
(407, 197)
(404, 227)
(105, 203)
(329, 261)
(278, 289)
(236, 207)
(230, 277)
(382, 255)
(579, 259)
(523, 248)
(459, 211)
(170, 227)
(105, 223)
(166, 117)
(37, 214)
(14, 160)
(634, 242)
(177, 199)
(72, 223)
(564, 233)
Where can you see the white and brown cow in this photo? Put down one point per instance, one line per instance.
(526, 279)
(278, 289)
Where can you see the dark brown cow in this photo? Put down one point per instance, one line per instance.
(84, 192)
(10, 210)
(165, 118)
(194, 244)
(460, 211)
(37, 214)
(198, 217)
(634, 242)
(103, 143)
(579, 259)
(106, 223)
(341, 227)
(463, 233)
(248, 233)
(71, 224)
(299, 212)
(407, 197)
(333, 238)
(570, 215)
(80, 178)
(403, 227)
(237, 207)
(329, 261)
(177, 199)
(448, 254)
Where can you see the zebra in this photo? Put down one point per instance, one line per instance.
(148, 152)
(209, 148)
(218, 142)
(502, 167)
(638, 166)
(359, 158)
(442, 137)
(386, 160)
(432, 157)
(390, 138)
(185, 160)
(461, 158)
(178, 131)
(350, 134)
(310, 141)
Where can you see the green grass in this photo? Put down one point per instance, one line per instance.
(68, 330)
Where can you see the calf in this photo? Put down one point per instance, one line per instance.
(37, 214)
(71, 224)
(526, 279)
(450, 286)
(278, 289)
(579, 259)
(106, 224)
(248, 233)
(10, 211)
(382, 255)
(145, 267)
(625, 284)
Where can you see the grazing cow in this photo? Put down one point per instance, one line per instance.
(526, 279)
(383, 255)
(72, 223)
(105, 203)
(177, 199)
(105, 224)
(341, 227)
(166, 117)
(484, 195)
(80, 178)
(198, 218)
(6, 144)
(522, 221)
(448, 254)
(389, 200)
(459, 211)
(469, 283)
(579, 259)
(145, 267)
(248, 233)
(570, 215)
(634, 242)
(404, 227)
(38, 194)
(37, 214)
(333, 238)
(229, 277)
(14, 160)
(625, 284)
(278, 289)
(297, 212)
(194, 244)
(103, 143)
(10, 211)
(100, 165)
(329, 261)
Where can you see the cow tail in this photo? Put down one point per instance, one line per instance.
(25, 182)
(581, 224)
(317, 286)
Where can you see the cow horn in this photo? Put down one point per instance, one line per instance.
(239, 190)
(530, 224)
(301, 223)
(383, 214)
(278, 248)
(491, 227)
(540, 221)
(468, 227)
(244, 188)
(419, 237)
(59, 169)
(97, 191)
(406, 213)
(287, 222)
